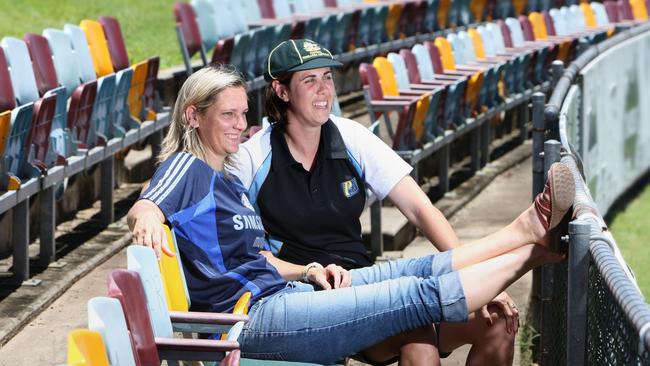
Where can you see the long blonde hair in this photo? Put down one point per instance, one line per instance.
(201, 90)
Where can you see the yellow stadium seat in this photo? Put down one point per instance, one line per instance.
(639, 10)
(86, 348)
(477, 7)
(519, 6)
(446, 53)
(443, 13)
(590, 17)
(172, 275)
(5, 123)
(386, 76)
(539, 26)
(477, 41)
(420, 117)
(392, 20)
(98, 47)
(137, 89)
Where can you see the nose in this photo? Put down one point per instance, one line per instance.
(241, 122)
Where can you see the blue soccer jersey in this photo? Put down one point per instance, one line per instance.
(218, 233)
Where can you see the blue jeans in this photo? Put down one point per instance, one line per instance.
(299, 323)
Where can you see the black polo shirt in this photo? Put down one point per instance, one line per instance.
(315, 213)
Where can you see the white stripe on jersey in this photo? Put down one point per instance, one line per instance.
(177, 179)
(167, 177)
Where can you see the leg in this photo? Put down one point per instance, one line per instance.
(415, 347)
(501, 271)
(491, 345)
(428, 266)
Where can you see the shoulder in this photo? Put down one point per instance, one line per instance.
(251, 156)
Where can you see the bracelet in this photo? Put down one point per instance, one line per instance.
(305, 271)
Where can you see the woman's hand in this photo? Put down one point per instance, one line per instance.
(146, 222)
(509, 309)
(330, 277)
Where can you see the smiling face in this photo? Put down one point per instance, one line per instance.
(310, 94)
(220, 126)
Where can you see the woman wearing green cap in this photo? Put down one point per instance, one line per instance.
(306, 175)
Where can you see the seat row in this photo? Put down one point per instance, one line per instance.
(69, 99)
(440, 88)
(146, 304)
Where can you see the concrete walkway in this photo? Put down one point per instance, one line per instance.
(43, 340)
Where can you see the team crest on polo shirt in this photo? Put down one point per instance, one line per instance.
(350, 187)
(246, 202)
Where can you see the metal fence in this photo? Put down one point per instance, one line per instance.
(591, 311)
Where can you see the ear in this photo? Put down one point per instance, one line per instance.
(280, 90)
(191, 115)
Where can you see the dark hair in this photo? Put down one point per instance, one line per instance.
(274, 107)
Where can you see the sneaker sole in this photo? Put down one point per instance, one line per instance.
(563, 192)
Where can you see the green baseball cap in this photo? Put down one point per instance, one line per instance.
(296, 55)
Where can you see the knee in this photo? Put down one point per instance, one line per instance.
(497, 333)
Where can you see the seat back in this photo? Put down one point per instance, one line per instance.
(387, 79)
(536, 21)
(143, 260)
(477, 42)
(64, 59)
(98, 47)
(325, 35)
(527, 28)
(468, 47)
(590, 16)
(625, 10)
(371, 81)
(487, 39)
(446, 54)
(516, 32)
(611, 7)
(410, 21)
(186, 19)
(173, 278)
(136, 91)
(81, 52)
(578, 18)
(548, 22)
(411, 65)
(115, 41)
(497, 37)
(639, 10)
(505, 32)
(282, 8)
(38, 140)
(399, 70)
(7, 98)
(102, 111)
(20, 69)
(518, 6)
(237, 15)
(106, 317)
(477, 8)
(600, 13)
(119, 105)
(430, 21)
(266, 8)
(436, 59)
(424, 63)
(42, 64)
(366, 19)
(5, 125)
(149, 93)
(86, 348)
(340, 33)
(205, 20)
(126, 286)
(80, 113)
(240, 52)
(223, 51)
(392, 20)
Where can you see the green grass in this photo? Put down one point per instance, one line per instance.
(147, 26)
(631, 229)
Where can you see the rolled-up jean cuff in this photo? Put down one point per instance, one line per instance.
(441, 263)
(452, 298)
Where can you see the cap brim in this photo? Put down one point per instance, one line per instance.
(315, 64)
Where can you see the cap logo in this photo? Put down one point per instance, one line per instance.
(311, 46)
(313, 50)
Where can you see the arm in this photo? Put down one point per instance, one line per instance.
(146, 221)
(417, 207)
(332, 276)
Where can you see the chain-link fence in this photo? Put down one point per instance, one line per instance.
(591, 312)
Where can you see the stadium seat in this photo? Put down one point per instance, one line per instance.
(98, 47)
(82, 53)
(241, 52)
(639, 10)
(86, 348)
(126, 286)
(392, 20)
(430, 20)
(143, 261)
(205, 20)
(340, 42)
(136, 91)
(106, 317)
(223, 51)
(189, 36)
